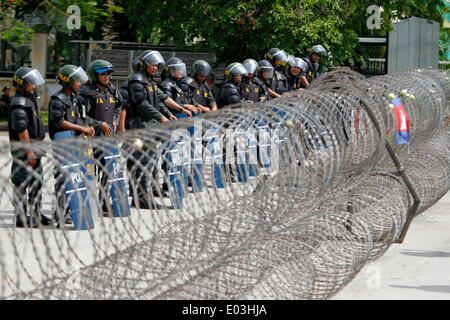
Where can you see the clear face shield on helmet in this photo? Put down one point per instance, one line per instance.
(153, 58)
(34, 77)
(238, 70)
(202, 69)
(251, 66)
(177, 70)
(266, 72)
(282, 58)
(79, 75)
(297, 66)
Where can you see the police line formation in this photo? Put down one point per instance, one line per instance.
(116, 206)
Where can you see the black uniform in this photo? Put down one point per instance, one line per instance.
(310, 73)
(24, 114)
(172, 88)
(147, 108)
(126, 102)
(200, 93)
(4, 106)
(63, 107)
(265, 84)
(147, 101)
(101, 105)
(278, 83)
(229, 93)
(293, 82)
(252, 91)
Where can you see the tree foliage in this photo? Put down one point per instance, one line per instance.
(43, 15)
(236, 29)
(233, 29)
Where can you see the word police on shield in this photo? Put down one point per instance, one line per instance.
(240, 146)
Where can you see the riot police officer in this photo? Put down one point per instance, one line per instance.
(103, 101)
(265, 75)
(25, 125)
(296, 65)
(148, 107)
(196, 86)
(211, 81)
(230, 91)
(278, 58)
(65, 113)
(4, 102)
(251, 86)
(146, 96)
(175, 70)
(104, 105)
(124, 92)
(310, 73)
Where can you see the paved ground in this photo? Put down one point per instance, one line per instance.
(419, 268)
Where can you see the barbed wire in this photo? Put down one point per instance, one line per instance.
(316, 196)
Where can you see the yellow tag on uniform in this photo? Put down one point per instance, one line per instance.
(246, 90)
(178, 94)
(35, 113)
(256, 90)
(79, 115)
(310, 73)
(73, 113)
(198, 92)
(99, 100)
(156, 87)
(150, 89)
(111, 100)
(206, 94)
(295, 85)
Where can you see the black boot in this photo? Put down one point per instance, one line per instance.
(144, 204)
(38, 216)
(46, 221)
(67, 219)
(29, 222)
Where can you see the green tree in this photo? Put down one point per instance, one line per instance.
(236, 29)
(12, 29)
(50, 14)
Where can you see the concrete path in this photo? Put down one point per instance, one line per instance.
(419, 268)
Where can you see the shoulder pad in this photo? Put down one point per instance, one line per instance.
(88, 90)
(257, 81)
(138, 77)
(229, 85)
(308, 62)
(280, 75)
(112, 89)
(167, 85)
(189, 81)
(111, 86)
(206, 85)
(60, 95)
(124, 85)
(18, 101)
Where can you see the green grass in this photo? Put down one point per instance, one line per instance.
(44, 116)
